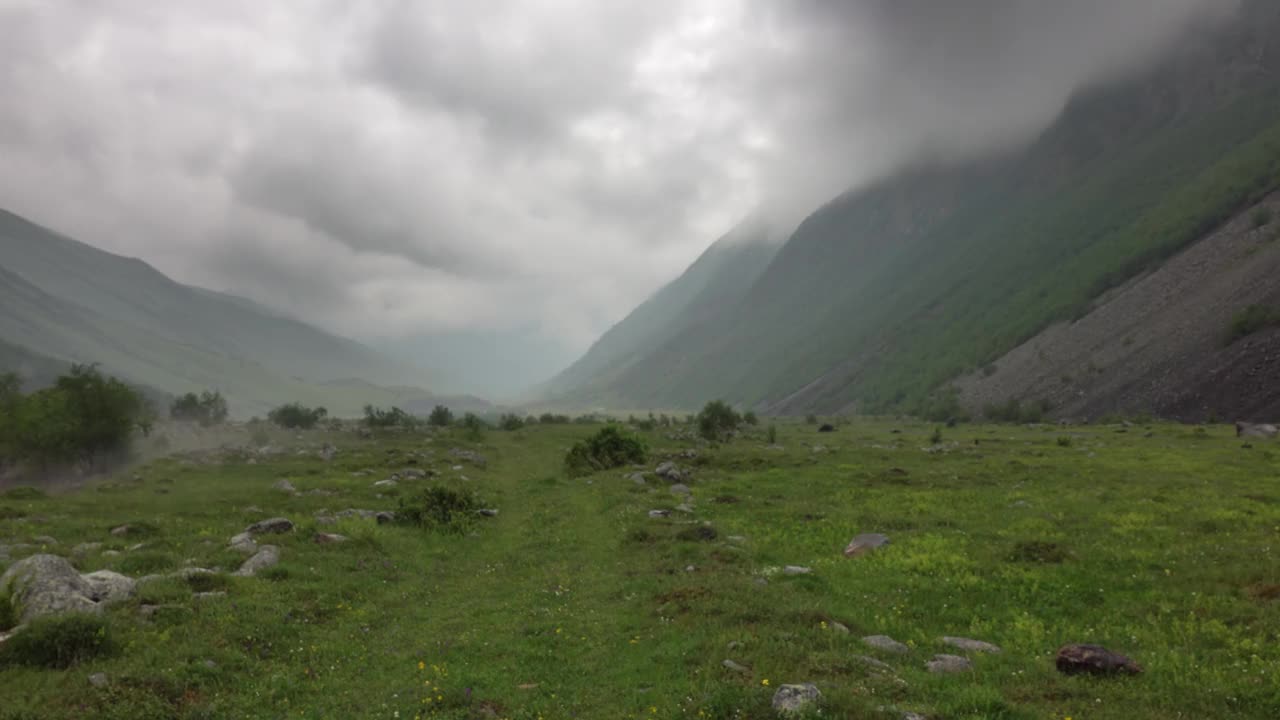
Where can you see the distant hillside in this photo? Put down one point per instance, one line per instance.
(64, 301)
(884, 295)
(717, 280)
(1172, 343)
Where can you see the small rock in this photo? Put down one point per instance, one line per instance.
(266, 556)
(680, 489)
(971, 645)
(796, 570)
(110, 587)
(384, 517)
(735, 667)
(886, 643)
(863, 544)
(1094, 660)
(685, 508)
(211, 595)
(736, 538)
(326, 520)
(733, 645)
(637, 478)
(98, 680)
(389, 482)
(839, 627)
(413, 473)
(44, 540)
(329, 538)
(488, 512)
(243, 543)
(669, 471)
(1251, 430)
(270, 526)
(121, 530)
(86, 549)
(210, 664)
(110, 553)
(656, 514)
(946, 664)
(284, 486)
(328, 452)
(253, 510)
(795, 698)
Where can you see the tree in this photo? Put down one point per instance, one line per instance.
(717, 422)
(297, 416)
(395, 417)
(207, 408)
(83, 416)
(441, 416)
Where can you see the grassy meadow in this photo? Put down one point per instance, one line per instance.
(1161, 542)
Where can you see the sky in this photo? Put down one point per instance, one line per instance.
(399, 170)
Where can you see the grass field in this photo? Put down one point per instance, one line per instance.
(1159, 542)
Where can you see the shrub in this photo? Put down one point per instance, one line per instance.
(441, 416)
(553, 419)
(811, 419)
(936, 437)
(608, 448)
(1064, 441)
(83, 416)
(510, 422)
(717, 422)
(1013, 411)
(772, 434)
(207, 408)
(439, 509)
(473, 426)
(750, 418)
(297, 416)
(1251, 320)
(395, 417)
(59, 641)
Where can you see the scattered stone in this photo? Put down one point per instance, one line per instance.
(386, 483)
(668, 471)
(110, 587)
(121, 530)
(211, 595)
(85, 549)
(736, 538)
(886, 643)
(191, 572)
(470, 456)
(42, 585)
(274, 525)
(1251, 430)
(413, 473)
(110, 553)
(656, 514)
(637, 478)
(1094, 660)
(362, 514)
(796, 570)
(329, 538)
(947, 664)
(326, 520)
(873, 663)
(138, 546)
(685, 508)
(735, 667)
(733, 645)
(680, 489)
(488, 512)
(359, 474)
(839, 627)
(284, 486)
(761, 581)
(243, 543)
(98, 680)
(266, 556)
(795, 698)
(971, 645)
(384, 517)
(328, 452)
(254, 510)
(210, 664)
(866, 543)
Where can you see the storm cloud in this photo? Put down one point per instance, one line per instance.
(391, 168)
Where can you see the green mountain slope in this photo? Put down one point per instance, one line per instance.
(62, 301)
(717, 280)
(885, 294)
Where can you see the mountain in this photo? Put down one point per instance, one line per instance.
(63, 301)
(887, 293)
(717, 280)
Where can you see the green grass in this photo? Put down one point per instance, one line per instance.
(572, 602)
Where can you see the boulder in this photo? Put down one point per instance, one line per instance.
(87, 548)
(110, 587)
(329, 538)
(668, 471)
(970, 645)
(886, 643)
(1251, 430)
(948, 664)
(1094, 660)
(274, 525)
(284, 486)
(862, 544)
(266, 556)
(735, 667)
(791, 699)
(385, 517)
(98, 680)
(243, 543)
(680, 489)
(42, 585)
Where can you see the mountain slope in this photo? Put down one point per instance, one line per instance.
(67, 302)
(720, 277)
(886, 293)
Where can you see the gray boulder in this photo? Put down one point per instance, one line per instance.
(274, 525)
(790, 699)
(1250, 430)
(669, 471)
(243, 543)
(110, 587)
(47, 585)
(98, 680)
(886, 643)
(970, 645)
(866, 543)
(284, 486)
(266, 556)
(680, 489)
(948, 664)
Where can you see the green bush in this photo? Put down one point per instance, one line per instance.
(59, 641)
(717, 422)
(207, 408)
(772, 434)
(395, 417)
(474, 427)
(439, 509)
(1250, 320)
(608, 448)
(553, 419)
(297, 416)
(750, 418)
(441, 416)
(510, 422)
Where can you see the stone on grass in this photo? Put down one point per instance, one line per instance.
(85, 549)
(1094, 660)
(873, 663)
(948, 664)
(42, 585)
(98, 680)
(886, 643)
(266, 556)
(735, 667)
(389, 482)
(211, 595)
(488, 512)
(657, 514)
(866, 543)
(110, 587)
(791, 699)
(329, 538)
(273, 525)
(637, 478)
(243, 543)
(1250, 430)
(796, 570)
(970, 645)
(680, 489)
(669, 471)
(384, 517)
(284, 486)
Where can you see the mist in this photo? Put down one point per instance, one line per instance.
(404, 173)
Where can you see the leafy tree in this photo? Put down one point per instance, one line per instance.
(208, 408)
(441, 416)
(717, 422)
(510, 421)
(395, 417)
(474, 426)
(750, 418)
(609, 448)
(83, 416)
(297, 416)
